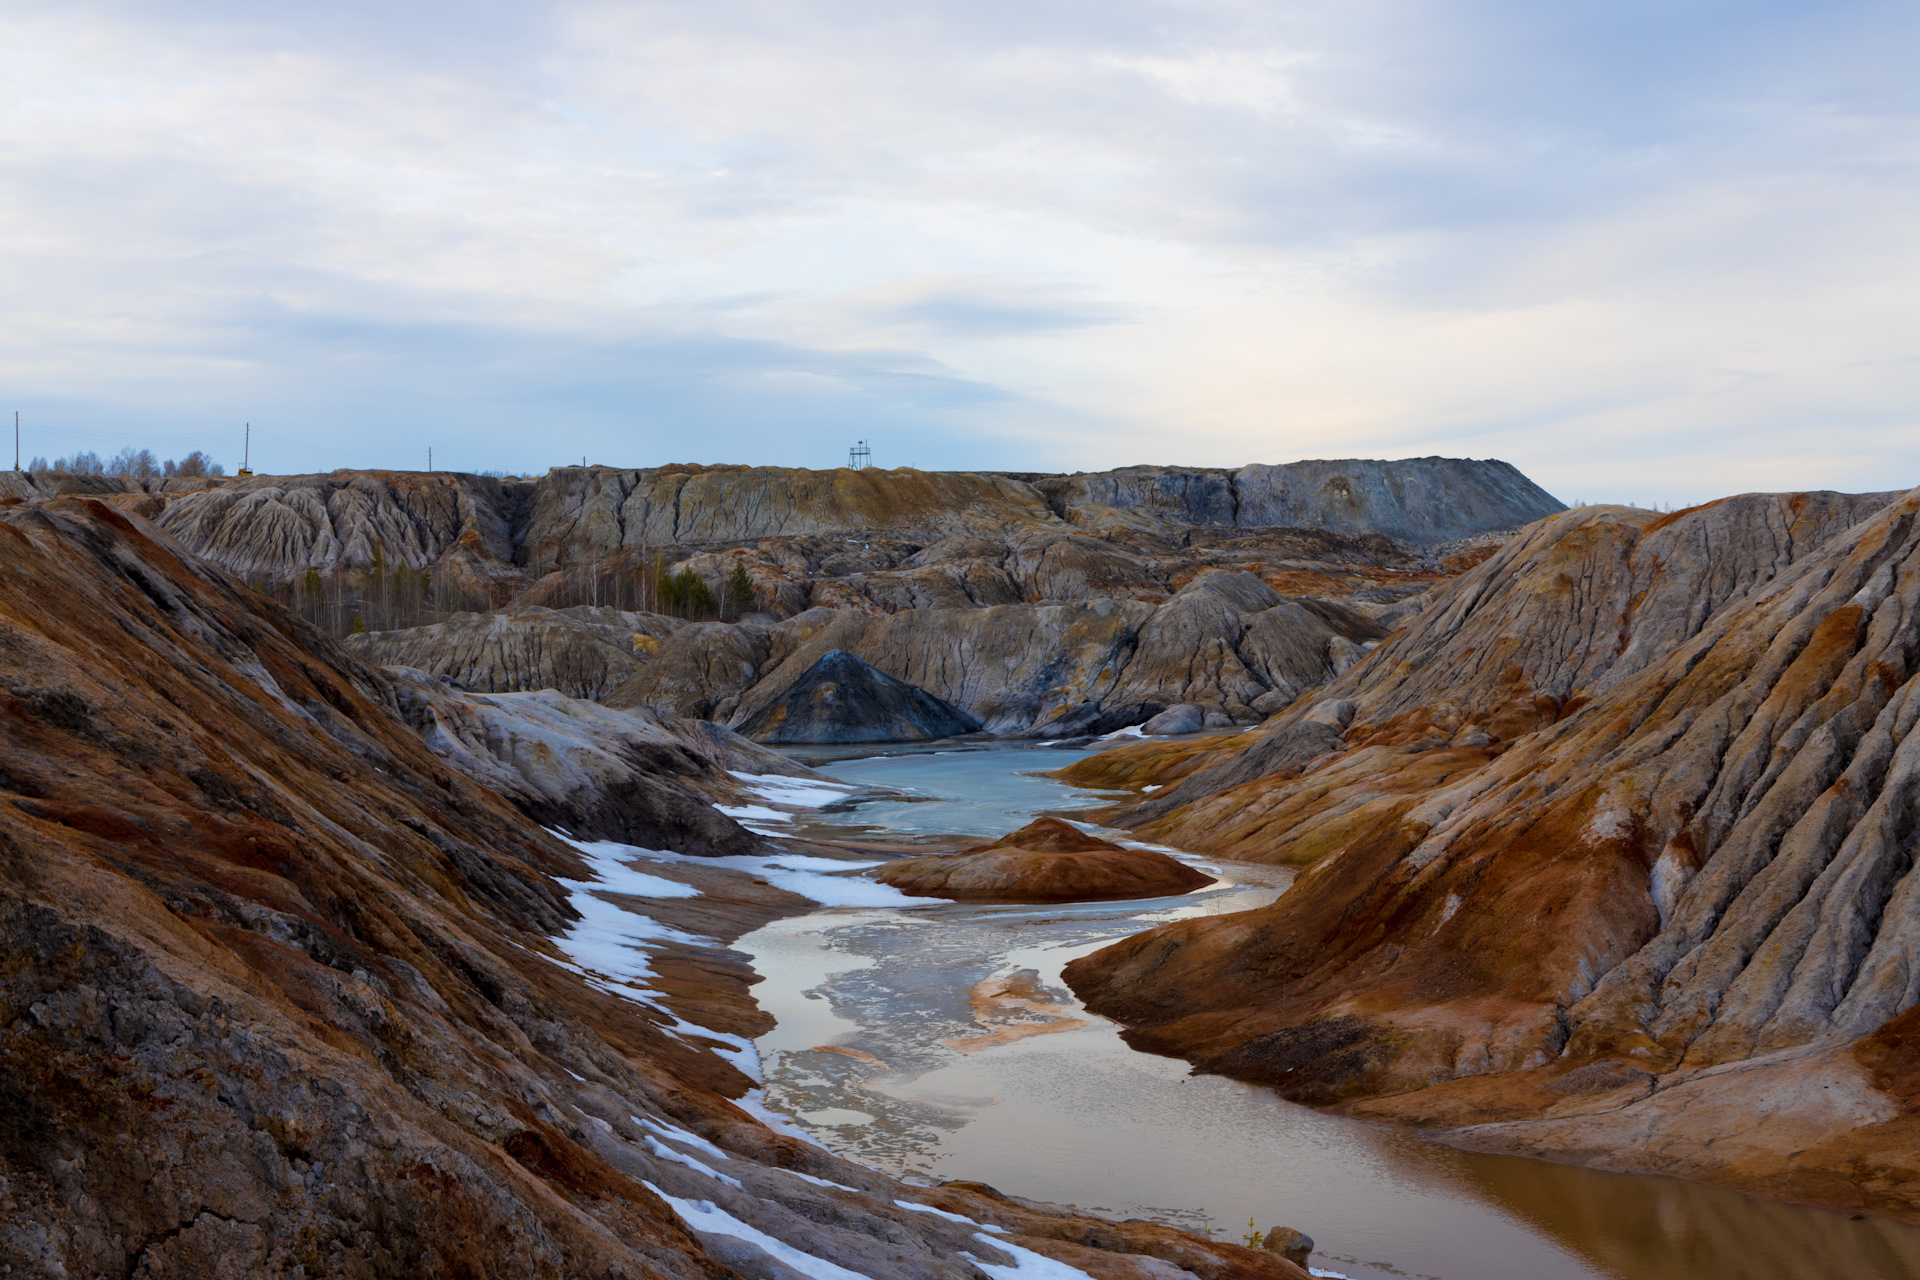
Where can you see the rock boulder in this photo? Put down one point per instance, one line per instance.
(1184, 718)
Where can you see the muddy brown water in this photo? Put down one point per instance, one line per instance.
(938, 1042)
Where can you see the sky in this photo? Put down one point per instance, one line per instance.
(1649, 253)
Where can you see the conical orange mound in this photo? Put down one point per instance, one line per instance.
(1045, 861)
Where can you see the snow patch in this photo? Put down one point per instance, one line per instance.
(804, 793)
(819, 1182)
(754, 813)
(745, 1058)
(938, 1213)
(705, 1216)
(1131, 731)
(604, 944)
(1027, 1265)
(666, 1152)
(678, 1134)
(615, 876)
(754, 1103)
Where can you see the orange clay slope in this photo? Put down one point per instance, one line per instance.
(282, 993)
(1609, 859)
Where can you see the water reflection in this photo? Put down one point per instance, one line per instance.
(877, 1054)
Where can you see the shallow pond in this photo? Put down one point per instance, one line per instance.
(939, 1042)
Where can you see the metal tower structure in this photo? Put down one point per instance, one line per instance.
(859, 457)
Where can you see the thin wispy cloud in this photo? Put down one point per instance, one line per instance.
(1644, 252)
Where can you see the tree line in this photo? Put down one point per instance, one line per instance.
(140, 464)
(389, 597)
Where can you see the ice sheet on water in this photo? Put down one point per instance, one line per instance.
(708, 1217)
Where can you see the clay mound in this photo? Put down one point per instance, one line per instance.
(1045, 861)
(843, 699)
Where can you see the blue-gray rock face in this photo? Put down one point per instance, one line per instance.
(1421, 500)
(843, 699)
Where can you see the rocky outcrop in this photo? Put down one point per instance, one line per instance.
(840, 699)
(1225, 642)
(581, 652)
(1045, 861)
(1609, 859)
(635, 777)
(286, 992)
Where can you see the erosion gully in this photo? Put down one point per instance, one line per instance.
(937, 1041)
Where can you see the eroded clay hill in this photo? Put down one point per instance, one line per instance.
(878, 539)
(1609, 858)
(287, 989)
(1226, 642)
(1040, 605)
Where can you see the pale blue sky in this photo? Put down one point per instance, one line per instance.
(1645, 252)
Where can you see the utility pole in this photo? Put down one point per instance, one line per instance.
(16, 440)
(246, 453)
(429, 459)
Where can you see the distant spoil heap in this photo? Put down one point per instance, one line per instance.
(890, 539)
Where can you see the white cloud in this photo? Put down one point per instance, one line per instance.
(1641, 255)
